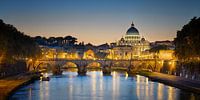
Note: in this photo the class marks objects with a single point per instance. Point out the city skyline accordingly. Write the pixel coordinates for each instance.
(102, 21)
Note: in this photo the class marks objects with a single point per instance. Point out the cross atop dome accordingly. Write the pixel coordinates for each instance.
(132, 25)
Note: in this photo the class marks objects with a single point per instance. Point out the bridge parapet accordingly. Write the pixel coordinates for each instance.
(102, 62)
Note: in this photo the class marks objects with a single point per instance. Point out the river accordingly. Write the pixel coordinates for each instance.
(95, 86)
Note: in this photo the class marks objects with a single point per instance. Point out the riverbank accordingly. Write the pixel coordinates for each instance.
(10, 84)
(175, 81)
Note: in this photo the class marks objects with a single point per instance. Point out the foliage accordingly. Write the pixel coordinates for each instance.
(15, 44)
(187, 42)
(56, 41)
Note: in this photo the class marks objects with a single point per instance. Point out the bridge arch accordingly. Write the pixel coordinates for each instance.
(94, 64)
(43, 65)
(70, 65)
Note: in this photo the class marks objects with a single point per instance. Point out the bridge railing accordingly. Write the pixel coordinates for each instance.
(62, 59)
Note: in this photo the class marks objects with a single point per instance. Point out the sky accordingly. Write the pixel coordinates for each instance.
(99, 21)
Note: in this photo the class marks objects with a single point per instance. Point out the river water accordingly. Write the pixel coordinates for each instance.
(95, 86)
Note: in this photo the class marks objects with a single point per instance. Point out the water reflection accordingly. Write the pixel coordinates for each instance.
(44, 90)
(93, 83)
(170, 93)
(126, 75)
(144, 88)
(160, 91)
(30, 94)
(95, 86)
(115, 84)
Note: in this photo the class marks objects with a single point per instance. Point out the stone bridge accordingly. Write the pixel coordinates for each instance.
(111, 63)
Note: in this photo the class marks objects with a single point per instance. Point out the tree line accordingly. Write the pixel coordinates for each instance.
(56, 41)
(187, 41)
(187, 49)
(15, 45)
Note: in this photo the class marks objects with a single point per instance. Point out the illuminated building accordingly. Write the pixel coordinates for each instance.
(48, 53)
(89, 54)
(133, 38)
(131, 45)
(58, 53)
(72, 55)
(166, 54)
(120, 52)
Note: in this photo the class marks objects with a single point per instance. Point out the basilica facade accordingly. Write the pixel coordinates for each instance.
(131, 46)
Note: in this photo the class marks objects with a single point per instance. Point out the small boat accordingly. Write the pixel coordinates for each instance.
(45, 77)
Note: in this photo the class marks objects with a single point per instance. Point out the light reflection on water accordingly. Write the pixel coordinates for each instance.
(95, 86)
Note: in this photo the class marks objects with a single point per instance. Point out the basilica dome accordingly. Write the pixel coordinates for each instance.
(132, 30)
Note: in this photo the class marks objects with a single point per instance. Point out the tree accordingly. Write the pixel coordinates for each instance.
(187, 42)
(56, 41)
(71, 40)
(15, 44)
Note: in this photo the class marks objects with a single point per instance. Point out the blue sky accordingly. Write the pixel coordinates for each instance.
(99, 21)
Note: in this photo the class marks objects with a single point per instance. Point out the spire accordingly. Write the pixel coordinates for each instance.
(132, 25)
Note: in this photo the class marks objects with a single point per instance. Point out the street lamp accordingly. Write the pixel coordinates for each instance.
(30, 60)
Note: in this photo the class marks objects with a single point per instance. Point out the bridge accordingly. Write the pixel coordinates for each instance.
(136, 63)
